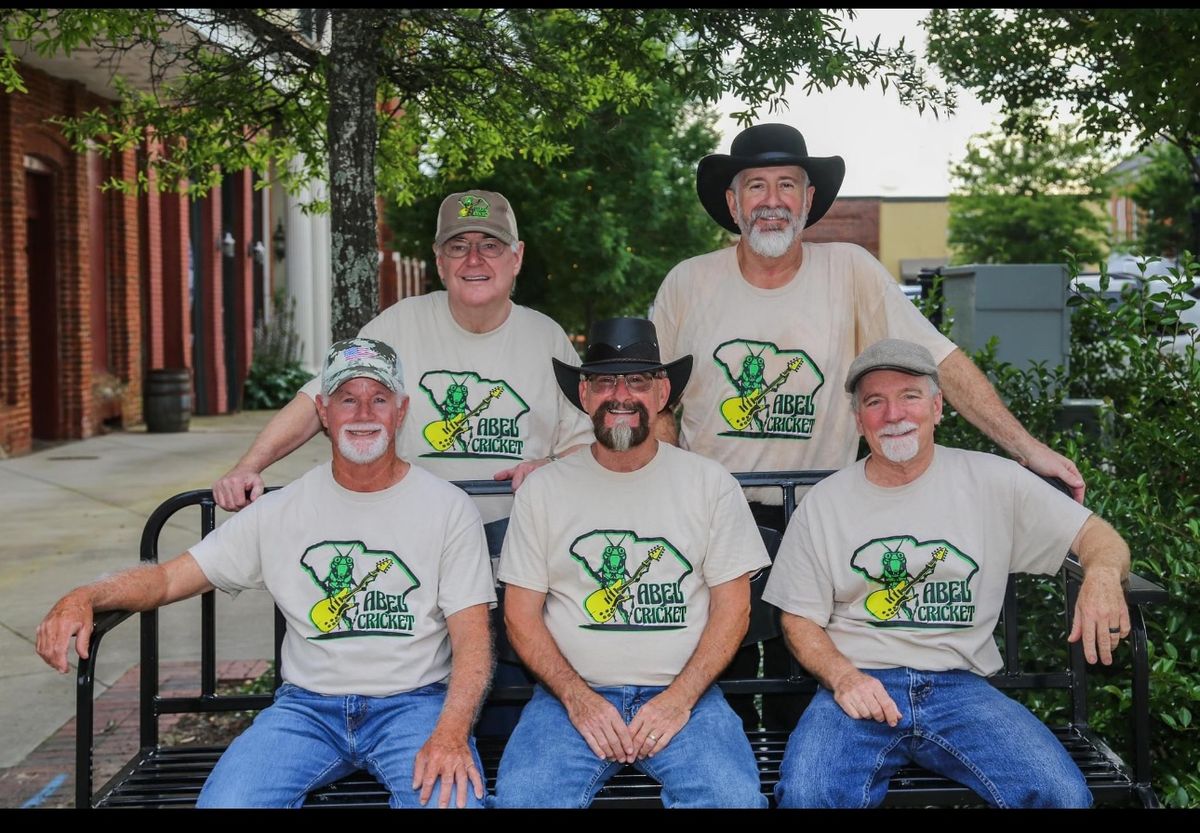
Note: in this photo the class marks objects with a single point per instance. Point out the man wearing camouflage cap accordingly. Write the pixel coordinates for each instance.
(381, 570)
(483, 403)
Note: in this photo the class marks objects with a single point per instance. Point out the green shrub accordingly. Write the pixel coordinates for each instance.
(1141, 475)
(275, 371)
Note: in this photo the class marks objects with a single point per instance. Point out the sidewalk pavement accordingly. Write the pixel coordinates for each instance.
(75, 512)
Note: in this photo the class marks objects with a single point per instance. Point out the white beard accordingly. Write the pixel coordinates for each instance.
(353, 449)
(899, 449)
(771, 243)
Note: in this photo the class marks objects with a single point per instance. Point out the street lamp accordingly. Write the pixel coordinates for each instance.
(279, 241)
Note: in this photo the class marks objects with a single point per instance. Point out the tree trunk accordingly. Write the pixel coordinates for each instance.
(353, 79)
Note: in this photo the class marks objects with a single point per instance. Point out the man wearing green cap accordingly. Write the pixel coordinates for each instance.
(480, 406)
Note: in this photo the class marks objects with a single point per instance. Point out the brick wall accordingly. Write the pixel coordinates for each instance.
(25, 131)
(849, 220)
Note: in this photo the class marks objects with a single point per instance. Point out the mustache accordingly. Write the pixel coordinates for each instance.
(614, 405)
(765, 213)
(362, 426)
(898, 428)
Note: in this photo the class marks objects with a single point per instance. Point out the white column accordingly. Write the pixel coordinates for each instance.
(322, 277)
(299, 275)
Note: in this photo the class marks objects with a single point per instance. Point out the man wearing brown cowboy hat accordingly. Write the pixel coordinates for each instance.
(627, 568)
(773, 320)
(480, 405)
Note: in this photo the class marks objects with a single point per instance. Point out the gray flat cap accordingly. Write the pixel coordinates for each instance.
(892, 354)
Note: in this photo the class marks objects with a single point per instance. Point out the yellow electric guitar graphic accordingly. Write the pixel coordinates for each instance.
(884, 604)
(442, 433)
(602, 604)
(327, 612)
(740, 410)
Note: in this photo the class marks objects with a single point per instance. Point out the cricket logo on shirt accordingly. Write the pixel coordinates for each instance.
(774, 391)
(639, 581)
(362, 592)
(479, 417)
(900, 597)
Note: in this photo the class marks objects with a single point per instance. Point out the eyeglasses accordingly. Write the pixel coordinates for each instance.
(636, 382)
(489, 247)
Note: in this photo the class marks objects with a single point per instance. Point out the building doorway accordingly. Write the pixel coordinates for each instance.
(43, 281)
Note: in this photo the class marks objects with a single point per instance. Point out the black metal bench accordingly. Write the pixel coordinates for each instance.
(159, 776)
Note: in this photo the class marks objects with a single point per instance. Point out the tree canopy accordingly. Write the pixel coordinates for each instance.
(386, 92)
(1127, 75)
(603, 224)
(1022, 200)
(1163, 188)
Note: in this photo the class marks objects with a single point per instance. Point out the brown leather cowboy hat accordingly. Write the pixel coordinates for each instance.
(765, 146)
(622, 345)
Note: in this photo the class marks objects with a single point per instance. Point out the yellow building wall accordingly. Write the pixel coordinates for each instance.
(912, 228)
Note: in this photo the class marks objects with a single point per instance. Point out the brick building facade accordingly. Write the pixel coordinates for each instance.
(98, 288)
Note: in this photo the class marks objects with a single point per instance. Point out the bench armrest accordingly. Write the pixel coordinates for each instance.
(85, 684)
(1138, 590)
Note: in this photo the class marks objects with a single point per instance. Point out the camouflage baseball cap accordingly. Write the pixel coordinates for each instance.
(482, 211)
(357, 357)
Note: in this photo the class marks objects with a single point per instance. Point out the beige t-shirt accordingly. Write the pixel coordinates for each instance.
(478, 402)
(364, 579)
(627, 559)
(766, 388)
(914, 576)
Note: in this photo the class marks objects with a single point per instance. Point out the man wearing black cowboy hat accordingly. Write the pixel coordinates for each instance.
(627, 568)
(778, 317)
(774, 319)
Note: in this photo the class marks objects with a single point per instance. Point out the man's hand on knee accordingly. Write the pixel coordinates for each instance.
(861, 696)
(230, 492)
(601, 726)
(448, 758)
(656, 723)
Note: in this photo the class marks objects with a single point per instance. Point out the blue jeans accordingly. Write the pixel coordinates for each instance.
(954, 723)
(547, 763)
(306, 740)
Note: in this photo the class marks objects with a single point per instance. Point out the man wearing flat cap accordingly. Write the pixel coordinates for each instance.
(774, 321)
(891, 578)
(627, 568)
(482, 406)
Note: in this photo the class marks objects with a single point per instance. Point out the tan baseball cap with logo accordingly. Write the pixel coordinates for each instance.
(483, 211)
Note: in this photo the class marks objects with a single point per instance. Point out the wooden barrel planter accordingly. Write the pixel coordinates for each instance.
(168, 400)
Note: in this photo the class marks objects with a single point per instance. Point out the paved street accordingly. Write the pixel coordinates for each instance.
(75, 512)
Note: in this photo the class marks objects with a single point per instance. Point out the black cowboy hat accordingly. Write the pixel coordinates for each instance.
(622, 345)
(764, 146)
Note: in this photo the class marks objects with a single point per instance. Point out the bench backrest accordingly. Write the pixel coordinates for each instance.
(764, 620)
